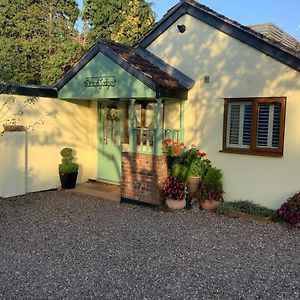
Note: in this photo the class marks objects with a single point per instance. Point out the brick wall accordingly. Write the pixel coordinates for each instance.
(142, 177)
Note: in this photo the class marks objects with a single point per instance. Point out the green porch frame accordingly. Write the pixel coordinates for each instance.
(149, 140)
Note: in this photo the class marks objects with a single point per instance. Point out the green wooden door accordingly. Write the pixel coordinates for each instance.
(110, 141)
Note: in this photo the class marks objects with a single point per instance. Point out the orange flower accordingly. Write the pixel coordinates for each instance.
(177, 150)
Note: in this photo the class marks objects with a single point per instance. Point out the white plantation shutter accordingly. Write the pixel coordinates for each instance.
(239, 124)
(268, 125)
(254, 126)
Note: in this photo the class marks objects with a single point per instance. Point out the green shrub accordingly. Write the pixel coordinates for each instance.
(67, 165)
(180, 172)
(197, 168)
(214, 178)
(245, 207)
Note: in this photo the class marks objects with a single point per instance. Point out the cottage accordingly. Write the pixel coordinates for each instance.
(197, 77)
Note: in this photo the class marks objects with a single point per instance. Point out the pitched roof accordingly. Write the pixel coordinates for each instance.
(243, 33)
(136, 63)
(142, 64)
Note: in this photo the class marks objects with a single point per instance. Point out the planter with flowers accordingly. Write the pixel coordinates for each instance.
(175, 192)
(197, 167)
(290, 210)
(210, 192)
(173, 151)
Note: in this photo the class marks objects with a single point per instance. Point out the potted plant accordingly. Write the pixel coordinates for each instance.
(196, 169)
(173, 150)
(180, 172)
(210, 192)
(290, 210)
(68, 170)
(175, 192)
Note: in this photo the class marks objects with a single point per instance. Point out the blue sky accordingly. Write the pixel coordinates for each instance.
(283, 13)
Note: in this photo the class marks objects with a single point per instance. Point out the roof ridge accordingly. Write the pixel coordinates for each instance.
(187, 6)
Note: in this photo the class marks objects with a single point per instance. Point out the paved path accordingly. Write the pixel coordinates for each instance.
(58, 245)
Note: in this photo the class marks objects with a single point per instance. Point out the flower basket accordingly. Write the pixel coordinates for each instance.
(175, 204)
(175, 193)
(209, 204)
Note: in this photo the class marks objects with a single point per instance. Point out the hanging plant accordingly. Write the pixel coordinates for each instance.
(112, 112)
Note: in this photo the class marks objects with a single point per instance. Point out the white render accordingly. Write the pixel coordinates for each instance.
(235, 70)
(53, 124)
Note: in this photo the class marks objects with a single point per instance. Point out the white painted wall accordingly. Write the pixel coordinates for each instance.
(235, 70)
(13, 164)
(55, 124)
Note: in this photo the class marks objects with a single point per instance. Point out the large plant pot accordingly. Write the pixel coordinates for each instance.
(193, 185)
(209, 204)
(68, 180)
(175, 204)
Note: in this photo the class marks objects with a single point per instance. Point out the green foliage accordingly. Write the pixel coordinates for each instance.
(180, 172)
(245, 207)
(197, 168)
(39, 39)
(39, 42)
(214, 178)
(67, 165)
(119, 20)
(297, 47)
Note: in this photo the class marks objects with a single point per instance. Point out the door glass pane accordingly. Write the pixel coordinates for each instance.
(112, 120)
(150, 121)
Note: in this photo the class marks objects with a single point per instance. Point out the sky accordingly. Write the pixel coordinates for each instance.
(283, 13)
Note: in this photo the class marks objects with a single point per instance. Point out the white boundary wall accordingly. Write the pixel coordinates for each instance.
(52, 125)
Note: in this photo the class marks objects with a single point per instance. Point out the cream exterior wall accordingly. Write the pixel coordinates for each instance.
(235, 70)
(56, 124)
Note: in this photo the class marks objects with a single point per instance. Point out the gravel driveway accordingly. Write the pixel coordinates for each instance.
(58, 245)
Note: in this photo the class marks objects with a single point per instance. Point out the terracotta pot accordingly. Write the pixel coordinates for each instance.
(193, 185)
(297, 224)
(175, 204)
(209, 204)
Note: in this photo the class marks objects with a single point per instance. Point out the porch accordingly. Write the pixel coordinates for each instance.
(135, 91)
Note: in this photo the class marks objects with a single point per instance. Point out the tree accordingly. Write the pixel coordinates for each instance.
(119, 20)
(39, 39)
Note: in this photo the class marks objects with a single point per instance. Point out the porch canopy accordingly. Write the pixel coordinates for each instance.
(118, 72)
(114, 71)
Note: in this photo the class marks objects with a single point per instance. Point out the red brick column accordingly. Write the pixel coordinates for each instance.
(142, 177)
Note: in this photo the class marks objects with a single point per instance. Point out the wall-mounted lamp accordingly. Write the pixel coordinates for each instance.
(206, 79)
(181, 28)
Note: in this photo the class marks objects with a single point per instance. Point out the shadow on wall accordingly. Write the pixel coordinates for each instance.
(235, 70)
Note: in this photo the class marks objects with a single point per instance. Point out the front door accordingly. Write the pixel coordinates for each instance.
(110, 141)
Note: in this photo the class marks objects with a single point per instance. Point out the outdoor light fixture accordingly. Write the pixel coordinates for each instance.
(206, 79)
(181, 28)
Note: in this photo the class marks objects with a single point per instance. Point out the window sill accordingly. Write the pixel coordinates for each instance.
(252, 152)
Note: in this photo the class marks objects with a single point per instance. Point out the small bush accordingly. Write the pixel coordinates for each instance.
(245, 207)
(180, 172)
(214, 178)
(67, 165)
(290, 210)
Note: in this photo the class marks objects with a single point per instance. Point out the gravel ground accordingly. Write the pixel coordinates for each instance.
(58, 245)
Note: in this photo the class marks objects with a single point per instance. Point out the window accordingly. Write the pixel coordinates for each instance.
(254, 126)
(145, 116)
